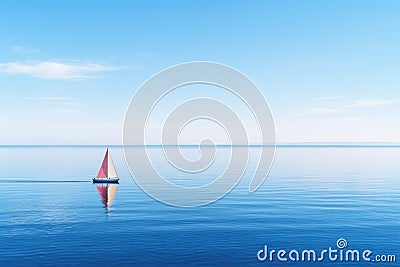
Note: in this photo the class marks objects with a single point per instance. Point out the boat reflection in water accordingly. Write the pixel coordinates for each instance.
(107, 193)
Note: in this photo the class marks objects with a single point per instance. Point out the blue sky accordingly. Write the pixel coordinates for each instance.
(329, 69)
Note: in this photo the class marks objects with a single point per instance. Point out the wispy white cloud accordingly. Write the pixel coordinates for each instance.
(350, 119)
(49, 98)
(321, 111)
(327, 98)
(57, 98)
(54, 70)
(371, 103)
(357, 104)
(67, 104)
(23, 49)
(143, 54)
(65, 110)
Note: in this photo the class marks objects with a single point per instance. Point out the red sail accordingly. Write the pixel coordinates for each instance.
(103, 172)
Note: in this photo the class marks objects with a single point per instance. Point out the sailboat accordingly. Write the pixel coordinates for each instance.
(107, 172)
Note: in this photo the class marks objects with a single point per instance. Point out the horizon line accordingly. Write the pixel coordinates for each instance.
(289, 144)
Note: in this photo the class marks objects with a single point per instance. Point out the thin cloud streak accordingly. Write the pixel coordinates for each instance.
(321, 111)
(144, 54)
(372, 103)
(49, 98)
(23, 49)
(65, 110)
(54, 70)
(69, 104)
(350, 119)
(59, 100)
(366, 103)
(327, 98)
(54, 98)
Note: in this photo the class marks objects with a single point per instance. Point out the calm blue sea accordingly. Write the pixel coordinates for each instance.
(52, 215)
